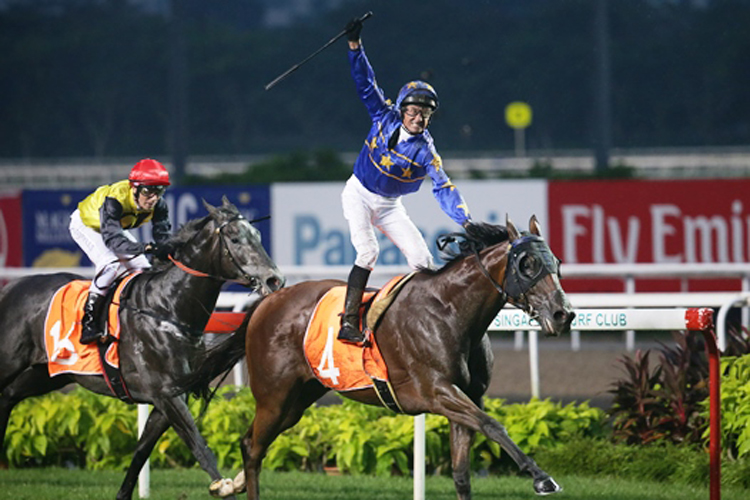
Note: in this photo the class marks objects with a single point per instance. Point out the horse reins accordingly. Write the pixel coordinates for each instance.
(226, 250)
(200, 274)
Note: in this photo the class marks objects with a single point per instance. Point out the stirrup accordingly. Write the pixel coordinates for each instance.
(350, 334)
(91, 337)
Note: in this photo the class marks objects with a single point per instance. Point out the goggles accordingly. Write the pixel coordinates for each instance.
(413, 110)
(149, 191)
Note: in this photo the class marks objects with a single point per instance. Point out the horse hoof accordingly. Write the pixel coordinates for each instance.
(221, 488)
(546, 486)
(240, 486)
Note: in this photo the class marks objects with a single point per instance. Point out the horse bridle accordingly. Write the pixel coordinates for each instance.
(224, 248)
(516, 281)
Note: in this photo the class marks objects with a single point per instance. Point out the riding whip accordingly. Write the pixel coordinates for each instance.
(329, 43)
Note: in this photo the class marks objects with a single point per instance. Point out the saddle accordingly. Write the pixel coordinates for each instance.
(62, 332)
(345, 367)
(378, 303)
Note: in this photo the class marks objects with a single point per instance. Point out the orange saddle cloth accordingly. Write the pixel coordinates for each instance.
(62, 331)
(339, 365)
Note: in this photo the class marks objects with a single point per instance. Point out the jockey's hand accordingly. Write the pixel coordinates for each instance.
(466, 224)
(161, 252)
(353, 29)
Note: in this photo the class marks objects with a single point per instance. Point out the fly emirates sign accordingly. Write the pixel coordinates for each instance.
(659, 221)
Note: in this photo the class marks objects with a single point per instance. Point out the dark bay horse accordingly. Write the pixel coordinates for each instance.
(162, 321)
(433, 339)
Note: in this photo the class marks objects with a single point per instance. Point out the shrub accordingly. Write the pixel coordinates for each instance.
(79, 428)
(100, 432)
(665, 403)
(735, 406)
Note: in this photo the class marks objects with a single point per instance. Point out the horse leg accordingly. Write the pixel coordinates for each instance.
(461, 459)
(457, 407)
(178, 415)
(272, 417)
(156, 425)
(480, 367)
(33, 381)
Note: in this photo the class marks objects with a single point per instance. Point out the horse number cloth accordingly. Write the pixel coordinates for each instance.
(339, 365)
(62, 331)
(347, 367)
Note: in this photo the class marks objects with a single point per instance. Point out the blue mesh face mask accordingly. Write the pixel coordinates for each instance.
(529, 261)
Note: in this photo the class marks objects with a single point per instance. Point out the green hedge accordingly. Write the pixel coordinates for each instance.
(97, 432)
(84, 429)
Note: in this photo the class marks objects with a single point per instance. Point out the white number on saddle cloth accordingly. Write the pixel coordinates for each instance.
(326, 369)
(64, 352)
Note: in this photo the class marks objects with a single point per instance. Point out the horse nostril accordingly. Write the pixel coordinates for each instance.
(564, 316)
(274, 283)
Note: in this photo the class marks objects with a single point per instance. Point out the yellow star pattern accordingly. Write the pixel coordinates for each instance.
(412, 85)
(372, 145)
(437, 162)
(385, 161)
(406, 172)
(465, 208)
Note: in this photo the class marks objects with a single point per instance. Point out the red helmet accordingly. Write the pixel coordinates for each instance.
(148, 172)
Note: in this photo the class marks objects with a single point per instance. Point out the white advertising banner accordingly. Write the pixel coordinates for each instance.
(309, 228)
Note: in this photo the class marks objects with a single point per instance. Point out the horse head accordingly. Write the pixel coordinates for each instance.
(228, 247)
(532, 279)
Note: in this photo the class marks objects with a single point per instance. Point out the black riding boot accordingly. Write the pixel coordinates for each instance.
(90, 332)
(350, 330)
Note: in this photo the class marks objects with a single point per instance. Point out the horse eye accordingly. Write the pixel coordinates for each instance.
(529, 266)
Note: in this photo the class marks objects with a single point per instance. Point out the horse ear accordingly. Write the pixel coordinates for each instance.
(211, 209)
(534, 226)
(225, 203)
(513, 233)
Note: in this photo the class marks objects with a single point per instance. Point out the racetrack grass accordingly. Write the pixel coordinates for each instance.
(192, 484)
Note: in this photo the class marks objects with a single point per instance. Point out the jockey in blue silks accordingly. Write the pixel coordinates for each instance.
(397, 156)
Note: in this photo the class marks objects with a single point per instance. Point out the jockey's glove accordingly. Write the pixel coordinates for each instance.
(161, 252)
(353, 30)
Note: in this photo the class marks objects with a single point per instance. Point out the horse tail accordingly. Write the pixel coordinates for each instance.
(218, 359)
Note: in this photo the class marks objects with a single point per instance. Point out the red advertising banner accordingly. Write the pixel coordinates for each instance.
(10, 229)
(652, 221)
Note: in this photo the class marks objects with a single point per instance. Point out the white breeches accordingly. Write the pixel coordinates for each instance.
(108, 264)
(365, 210)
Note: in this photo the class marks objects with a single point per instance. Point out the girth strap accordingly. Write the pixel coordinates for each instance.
(112, 375)
(386, 395)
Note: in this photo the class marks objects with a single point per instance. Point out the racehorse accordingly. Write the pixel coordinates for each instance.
(433, 339)
(162, 321)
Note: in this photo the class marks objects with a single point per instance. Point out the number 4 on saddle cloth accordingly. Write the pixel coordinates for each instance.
(346, 367)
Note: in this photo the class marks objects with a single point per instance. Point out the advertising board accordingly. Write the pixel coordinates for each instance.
(10, 229)
(46, 215)
(652, 221)
(309, 228)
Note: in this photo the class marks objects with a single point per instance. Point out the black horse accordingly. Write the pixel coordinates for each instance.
(162, 321)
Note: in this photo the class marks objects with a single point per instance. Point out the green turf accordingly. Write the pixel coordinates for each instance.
(60, 484)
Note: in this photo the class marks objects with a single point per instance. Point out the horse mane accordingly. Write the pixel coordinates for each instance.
(185, 233)
(477, 237)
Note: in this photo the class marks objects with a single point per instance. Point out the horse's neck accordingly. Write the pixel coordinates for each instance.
(191, 299)
(472, 294)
